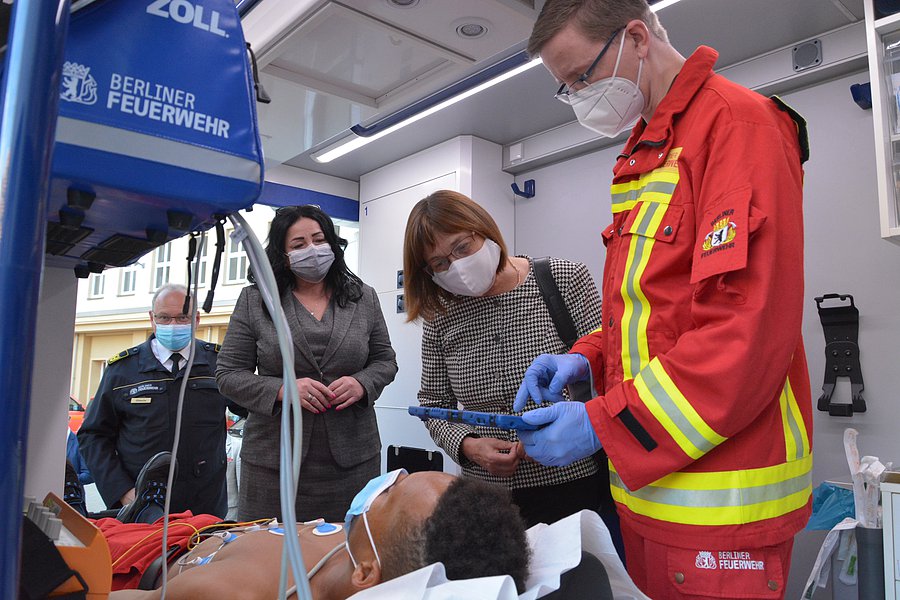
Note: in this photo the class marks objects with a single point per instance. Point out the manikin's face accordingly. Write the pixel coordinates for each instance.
(411, 497)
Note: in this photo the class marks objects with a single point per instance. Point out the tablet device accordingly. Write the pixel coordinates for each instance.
(472, 418)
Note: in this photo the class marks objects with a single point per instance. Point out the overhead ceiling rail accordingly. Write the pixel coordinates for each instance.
(463, 85)
(362, 135)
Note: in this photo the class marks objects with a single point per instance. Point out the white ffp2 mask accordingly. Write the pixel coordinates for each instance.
(611, 105)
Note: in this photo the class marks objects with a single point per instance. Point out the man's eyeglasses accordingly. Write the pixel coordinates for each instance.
(463, 248)
(166, 319)
(566, 90)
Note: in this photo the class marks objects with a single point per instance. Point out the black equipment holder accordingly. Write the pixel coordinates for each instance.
(43, 567)
(841, 325)
(414, 460)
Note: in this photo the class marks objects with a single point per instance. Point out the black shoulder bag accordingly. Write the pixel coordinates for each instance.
(565, 326)
(568, 333)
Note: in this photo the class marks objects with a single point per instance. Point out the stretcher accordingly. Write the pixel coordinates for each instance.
(560, 551)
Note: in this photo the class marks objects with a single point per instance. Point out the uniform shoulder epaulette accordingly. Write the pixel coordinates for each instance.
(121, 355)
(213, 347)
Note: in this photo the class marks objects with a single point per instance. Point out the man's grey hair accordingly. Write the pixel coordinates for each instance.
(165, 289)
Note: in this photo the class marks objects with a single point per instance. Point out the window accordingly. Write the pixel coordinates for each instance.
(162, 263)
(349, 230)
(127, 280)
(202, 268)
(96, 374)
(96, 284)
(235, 261)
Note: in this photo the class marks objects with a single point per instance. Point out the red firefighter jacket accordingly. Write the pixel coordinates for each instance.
(705, 409)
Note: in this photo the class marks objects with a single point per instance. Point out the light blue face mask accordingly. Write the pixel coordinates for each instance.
(362, 502)
(174, 336)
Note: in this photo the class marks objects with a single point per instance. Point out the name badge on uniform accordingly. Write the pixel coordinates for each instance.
(145, 388)
(141, 400)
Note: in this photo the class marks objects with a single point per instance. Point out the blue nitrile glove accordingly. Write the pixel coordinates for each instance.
(567, 434)
(548, 374)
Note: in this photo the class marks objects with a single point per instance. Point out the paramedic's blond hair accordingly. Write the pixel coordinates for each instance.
(597, 19)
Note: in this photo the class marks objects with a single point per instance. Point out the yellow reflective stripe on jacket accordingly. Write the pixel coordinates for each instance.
(673, 411)
(796, 438)
(721, 498)
(656, 186)
(650, 196)
(636, 311)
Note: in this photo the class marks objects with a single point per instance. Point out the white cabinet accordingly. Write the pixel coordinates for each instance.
(883, 38)
(890, 501)
(382, 222)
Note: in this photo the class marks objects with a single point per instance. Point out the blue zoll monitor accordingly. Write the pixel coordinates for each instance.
(472, 418)
(157, 133)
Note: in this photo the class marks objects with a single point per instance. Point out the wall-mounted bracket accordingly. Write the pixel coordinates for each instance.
(841, 325)
(529, 189)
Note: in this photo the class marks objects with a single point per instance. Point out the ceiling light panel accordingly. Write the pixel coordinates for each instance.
(343, 52)
(436, 20)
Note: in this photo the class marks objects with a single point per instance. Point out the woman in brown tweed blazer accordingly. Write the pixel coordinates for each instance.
(342, 359)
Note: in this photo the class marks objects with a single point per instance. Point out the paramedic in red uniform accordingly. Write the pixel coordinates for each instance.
(701, 387)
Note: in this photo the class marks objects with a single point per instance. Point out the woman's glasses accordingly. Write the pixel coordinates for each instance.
(463, 248)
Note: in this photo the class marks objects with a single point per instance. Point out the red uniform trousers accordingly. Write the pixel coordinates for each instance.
(674, 573)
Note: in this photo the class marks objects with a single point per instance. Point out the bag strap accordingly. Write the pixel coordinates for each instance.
(565, 326)
(562, 319)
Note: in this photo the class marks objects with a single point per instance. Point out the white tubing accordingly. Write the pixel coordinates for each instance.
(170, 482)
(289, 472)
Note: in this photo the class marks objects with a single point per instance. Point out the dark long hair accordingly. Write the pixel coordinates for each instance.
(345, 286)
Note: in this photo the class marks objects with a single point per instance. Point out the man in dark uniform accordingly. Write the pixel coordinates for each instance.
(132, 416)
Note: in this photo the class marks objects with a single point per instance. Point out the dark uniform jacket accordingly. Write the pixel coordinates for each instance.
(132, 417)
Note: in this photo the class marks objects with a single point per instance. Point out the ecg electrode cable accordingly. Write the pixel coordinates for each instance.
(170, 481)
(291, 441)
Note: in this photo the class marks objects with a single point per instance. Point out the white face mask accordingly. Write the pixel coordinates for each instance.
(611, 105)
(472, 275)
(362, 502)
(311, 263)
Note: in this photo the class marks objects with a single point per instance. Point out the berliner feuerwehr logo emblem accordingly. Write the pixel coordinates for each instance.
(77, 84)
(705, 560)
(723, 232)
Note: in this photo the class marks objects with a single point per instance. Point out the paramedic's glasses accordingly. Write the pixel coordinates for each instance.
(166, 319)
(463, 248)
(563, 94)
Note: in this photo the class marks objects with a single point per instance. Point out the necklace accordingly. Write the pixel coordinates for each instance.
(316, 306)
(518, 274)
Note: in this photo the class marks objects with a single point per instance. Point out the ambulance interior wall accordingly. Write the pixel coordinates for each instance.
(46, 450)
(844, 254)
